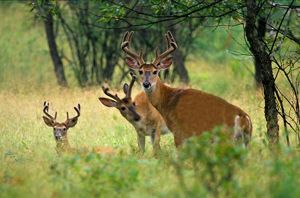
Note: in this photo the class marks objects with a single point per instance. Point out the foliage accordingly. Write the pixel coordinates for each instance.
(96, 175)
(90, 29)
(213, 159)
(30, 166)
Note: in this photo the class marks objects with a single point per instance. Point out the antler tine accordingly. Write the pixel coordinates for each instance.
(141, 56)
(128, 94)
(125, 37)
(106, 91)
(129, 38)
(125, 45)
(77, 109)
(168, 41)
(46, 109)
(156, 52)
(171, 47)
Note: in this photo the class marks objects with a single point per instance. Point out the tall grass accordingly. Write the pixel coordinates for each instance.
(30, 166)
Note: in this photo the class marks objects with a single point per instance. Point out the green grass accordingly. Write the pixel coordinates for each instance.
(30, 166)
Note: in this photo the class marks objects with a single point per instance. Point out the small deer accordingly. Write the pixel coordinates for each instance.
(60, 129)
(187, 112)
(60, 132)
(140, 113)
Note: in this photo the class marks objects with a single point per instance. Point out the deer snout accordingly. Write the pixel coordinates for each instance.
(58, 137)
(136, 116)
(146, 85)
(57, 134)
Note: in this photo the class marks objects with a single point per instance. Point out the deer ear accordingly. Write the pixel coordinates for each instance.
(131, 62)
(71, 122)
(125, 88)
(48, 121)
(107, 102)
(165, 63)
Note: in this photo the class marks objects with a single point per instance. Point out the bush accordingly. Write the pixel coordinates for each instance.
(95, 175)
(211, 159)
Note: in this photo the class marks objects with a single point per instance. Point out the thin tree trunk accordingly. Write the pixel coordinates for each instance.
(58, 65)
(180, 68)
(179, 59)
(261, 31)
(263, 60)
(111, 58)
(111, 62)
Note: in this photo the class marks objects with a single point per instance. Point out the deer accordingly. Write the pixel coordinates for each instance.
(187, 112)
(60, 131)
(140, 113)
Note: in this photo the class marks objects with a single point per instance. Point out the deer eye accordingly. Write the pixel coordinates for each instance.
(155, 72)
(133, 104)
(140, 72)
(123, 108)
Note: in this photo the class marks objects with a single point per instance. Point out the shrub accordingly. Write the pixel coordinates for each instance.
(96, 175)
(212, 159)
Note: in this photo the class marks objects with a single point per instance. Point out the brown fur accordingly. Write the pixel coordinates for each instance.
(190, 112)
(104, 150)
(187, 112)
(63, 146)
(151, 122)
(151, 118)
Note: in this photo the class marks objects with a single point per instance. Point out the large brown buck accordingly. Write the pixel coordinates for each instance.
(187, 112)
(140, 113)
(60, 132)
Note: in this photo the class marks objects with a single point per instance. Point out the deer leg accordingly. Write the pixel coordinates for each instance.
(141, 142)
(156, 141)
(242, 132)
(178, 139)
(153, 137)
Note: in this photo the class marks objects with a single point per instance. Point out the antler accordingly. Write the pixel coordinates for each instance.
(125, 47)
(171, 47)
(77, 109)
(46, 109)
(128, 94)
(106, 91)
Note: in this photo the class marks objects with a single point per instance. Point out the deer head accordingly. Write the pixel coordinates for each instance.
(148, 71)
(60, 128)
(126, 105)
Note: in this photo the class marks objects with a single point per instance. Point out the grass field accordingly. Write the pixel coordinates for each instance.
(30, 166)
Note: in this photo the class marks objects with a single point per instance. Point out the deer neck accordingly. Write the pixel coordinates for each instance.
(63, 145)
(159, 96)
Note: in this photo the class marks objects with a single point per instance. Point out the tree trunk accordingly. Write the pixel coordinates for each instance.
(111, 57)
(179, 59)
(58, 65)
(257, 74)
(111, 62)
(261, 31)
(108, 71)
(179, 66)
(263, 61)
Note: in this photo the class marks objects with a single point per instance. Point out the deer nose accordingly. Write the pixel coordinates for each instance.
(57, 137)
(137, 118)
(146, 85)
